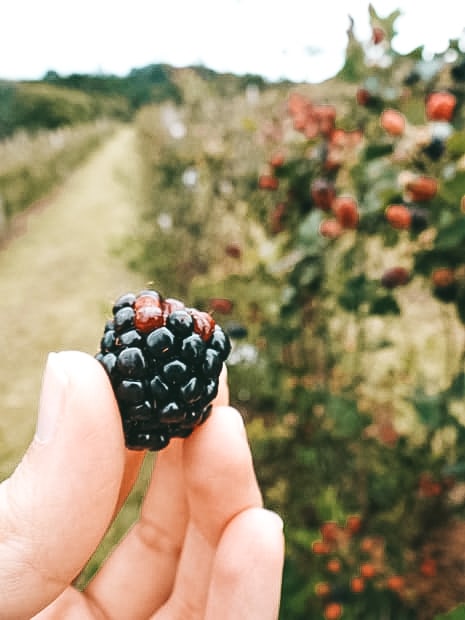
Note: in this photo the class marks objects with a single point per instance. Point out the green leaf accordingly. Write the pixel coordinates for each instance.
(373, 151)
(429, 408)
(456, 144)
(452, 189)
(456, 469)
(456, 614)
(460, 304)
(344, 413)
(358, 290)
(309, 228)
(451, 235)
(354, 65)
(385, 305)
(457, 386)
(386, 23)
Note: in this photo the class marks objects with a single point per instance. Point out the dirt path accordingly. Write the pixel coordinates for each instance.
(58, 278)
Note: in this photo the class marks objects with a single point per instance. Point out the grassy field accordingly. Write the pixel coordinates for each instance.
(58, 277)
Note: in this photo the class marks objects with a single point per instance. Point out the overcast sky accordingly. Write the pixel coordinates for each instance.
(301, 40)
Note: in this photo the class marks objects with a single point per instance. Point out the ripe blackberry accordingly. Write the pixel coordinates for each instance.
(163, 360)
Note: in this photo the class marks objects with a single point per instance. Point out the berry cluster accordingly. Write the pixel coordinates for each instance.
(163, 360)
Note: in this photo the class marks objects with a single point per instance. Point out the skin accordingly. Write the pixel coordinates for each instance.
(203, 548)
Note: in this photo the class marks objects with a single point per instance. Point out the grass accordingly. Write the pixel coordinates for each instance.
(58, 278)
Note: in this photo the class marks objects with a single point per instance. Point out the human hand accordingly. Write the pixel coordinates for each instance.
(203, 547)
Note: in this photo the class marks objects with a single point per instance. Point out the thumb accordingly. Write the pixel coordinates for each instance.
(58, 503)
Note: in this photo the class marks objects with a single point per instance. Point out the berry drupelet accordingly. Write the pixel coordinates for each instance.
(163, 360)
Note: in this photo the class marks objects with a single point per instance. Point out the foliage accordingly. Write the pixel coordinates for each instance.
(32, 165)
(154, 83)
(343, 266)
(367, 212)
(199, 169)
(35, 105)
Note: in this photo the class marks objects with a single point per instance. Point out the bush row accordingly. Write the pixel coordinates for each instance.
(32, 165)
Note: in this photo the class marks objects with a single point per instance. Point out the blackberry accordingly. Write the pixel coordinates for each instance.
(163, 360)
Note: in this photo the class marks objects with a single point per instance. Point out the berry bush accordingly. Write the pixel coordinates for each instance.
(365, 208)
(327, 223)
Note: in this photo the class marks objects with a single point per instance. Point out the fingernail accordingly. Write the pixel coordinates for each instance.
(52, 399)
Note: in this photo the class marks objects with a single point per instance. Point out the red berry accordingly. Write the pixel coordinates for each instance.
(277, 159)
(334, 566)
(440, 106)
(333, 611)
(148, 299)
(233, 250)
(277, 218)
(148, 317)
(297, 102)
(443, 277)
(421, 188)
(170, 305)
(267, 181)
(395, 276)
(428, 487)
(357, 584)
(368, 570)
(221, 305)
(393, 122)
(363, 96)
(345, 209)
(204, 323)
(320, 547)
(395, 583)
(322, 589)
(329, 530)
(428, 567)
(399, 217)
(325, 117)
(354, 524)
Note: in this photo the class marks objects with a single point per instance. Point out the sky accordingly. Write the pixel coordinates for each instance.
(301, 40)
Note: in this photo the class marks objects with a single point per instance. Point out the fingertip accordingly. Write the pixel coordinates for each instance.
(219, 472)
(247, 573)
(67, 482)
